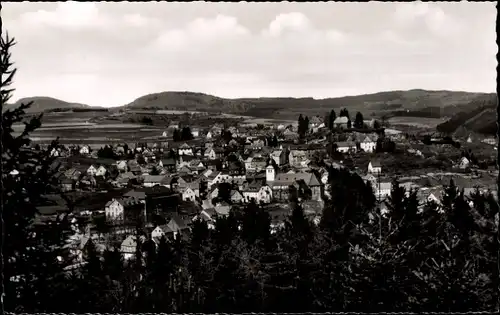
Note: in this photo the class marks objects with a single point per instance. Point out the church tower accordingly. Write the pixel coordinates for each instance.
(270, 173)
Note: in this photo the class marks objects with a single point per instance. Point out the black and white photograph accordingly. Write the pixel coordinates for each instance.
(249, 157)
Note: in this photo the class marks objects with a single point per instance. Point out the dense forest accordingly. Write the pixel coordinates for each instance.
(354, 259)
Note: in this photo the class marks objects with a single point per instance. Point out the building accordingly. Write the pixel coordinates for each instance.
(368, 145)
(374, 167)
(464, 163)
(280, 184)
(346, 146)
(341, 122)
(188, 194)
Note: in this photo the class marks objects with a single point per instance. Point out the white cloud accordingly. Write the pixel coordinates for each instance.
(289, 22)
(73, 15)
(431, 16)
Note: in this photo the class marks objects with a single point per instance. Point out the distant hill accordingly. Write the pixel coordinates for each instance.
(439, 103)
(480, 116)
(43, 103)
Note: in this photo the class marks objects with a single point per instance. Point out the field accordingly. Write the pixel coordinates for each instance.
(418, 122)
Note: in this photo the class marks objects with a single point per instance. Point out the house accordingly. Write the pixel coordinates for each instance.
(73, 173)
(67, 184)
(222, 209)
(56, 152)
(92, 170)
(85, 149)
(382, 190)
(209, 135)
(169, 164)
(210, 154)
(490, 141)
(341, 122)
(265, 194)
(134, 167)
(188, 194)
(346, 146)
(280, 184)
(114, 210)
(279, 157)
(122, 166)
(290, 135)
(129, 245)
(374, 167)
(177, 225)
(296, 158)
(368, 145)
(185, 149)
(236, 196)
(101, 171)
(171, 182)
(464, 163)
(470, 139)
(153, 180)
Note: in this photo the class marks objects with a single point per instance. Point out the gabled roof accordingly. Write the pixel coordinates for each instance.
(153, 178)
(375, 163)
(341, 120)
(289, 179)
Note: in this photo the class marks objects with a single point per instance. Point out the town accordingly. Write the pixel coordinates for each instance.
(207, 174)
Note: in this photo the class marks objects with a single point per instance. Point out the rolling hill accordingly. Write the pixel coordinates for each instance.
(444, 103)
(479, 117)
(43, 103)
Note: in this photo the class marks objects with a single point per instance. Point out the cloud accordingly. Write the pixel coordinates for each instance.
(78, 16)
(432, 17)
(201, 31)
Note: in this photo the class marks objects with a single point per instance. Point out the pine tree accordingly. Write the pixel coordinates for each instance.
(30, 262)
(359, 121)
(331, 119)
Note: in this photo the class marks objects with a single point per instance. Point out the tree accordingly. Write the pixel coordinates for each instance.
(186, 134)
(331, 119)
(177, 135)
(358, 121)
(29, 262)
(344, 113)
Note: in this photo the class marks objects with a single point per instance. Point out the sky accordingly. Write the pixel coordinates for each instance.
(108, 54)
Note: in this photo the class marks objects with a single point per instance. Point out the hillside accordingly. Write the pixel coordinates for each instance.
(43, 103)
(440, 103)
(479, 117)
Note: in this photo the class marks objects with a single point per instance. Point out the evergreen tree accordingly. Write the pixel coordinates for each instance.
(359, 121)
(331, 119)
(30, 263)
(177, 135)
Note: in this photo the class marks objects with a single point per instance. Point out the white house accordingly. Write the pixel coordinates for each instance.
(122, 166)
(346, 146)
(265, 194)
(210, 154)
(92, 170)
(85, 149)
(55, 152)
(185, 149)
(209, 135)
(374, 167)
(382, 190)
(114, 210)
(188, 194)
(368, 145)
(464, 163)
(341, 122)
(101, 171)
